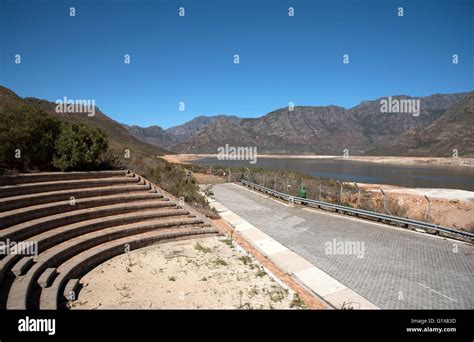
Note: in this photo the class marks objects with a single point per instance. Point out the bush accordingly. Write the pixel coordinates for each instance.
(31, 139)
(177, 181)
(181, 183)
(79, 147)
(27, 138)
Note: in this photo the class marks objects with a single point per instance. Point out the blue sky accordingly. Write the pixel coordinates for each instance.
(190, 58)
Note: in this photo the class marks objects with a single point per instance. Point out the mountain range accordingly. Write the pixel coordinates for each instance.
(444, 123)
(158, 136)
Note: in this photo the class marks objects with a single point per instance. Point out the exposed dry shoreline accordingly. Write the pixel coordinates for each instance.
(449, 207)
(438, 193)
(186, 158)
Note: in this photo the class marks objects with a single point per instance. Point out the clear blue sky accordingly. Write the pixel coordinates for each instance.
(190, 58)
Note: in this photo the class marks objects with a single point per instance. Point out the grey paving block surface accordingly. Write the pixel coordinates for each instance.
(399, 269)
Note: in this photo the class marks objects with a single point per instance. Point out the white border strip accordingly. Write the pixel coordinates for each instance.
(316, 280)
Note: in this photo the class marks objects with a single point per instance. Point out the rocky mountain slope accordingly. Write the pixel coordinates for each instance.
(325, 130)
(154, 135)
(187, 130)
(119, 137)
(304, 129)
(450, 132)
(444, 124)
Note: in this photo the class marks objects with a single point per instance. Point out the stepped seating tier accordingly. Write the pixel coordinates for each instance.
(18, 202)
(75, 221)
(33, 188)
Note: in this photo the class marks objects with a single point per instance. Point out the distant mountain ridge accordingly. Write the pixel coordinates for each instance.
(167, 138)
(444, 126)
(187, 130)
(450, 134)
(154, 135)
(362, 129)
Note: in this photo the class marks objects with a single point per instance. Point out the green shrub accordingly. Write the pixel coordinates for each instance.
(27, 138)
(79, 147)
(31, 139)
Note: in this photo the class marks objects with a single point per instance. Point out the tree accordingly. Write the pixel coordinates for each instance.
(79, 147)
(27, 138)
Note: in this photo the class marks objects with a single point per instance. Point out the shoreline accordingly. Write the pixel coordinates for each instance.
(447, 194)
(432, 193)
(436, 161)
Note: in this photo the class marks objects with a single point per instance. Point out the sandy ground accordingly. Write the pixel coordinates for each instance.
(413, 160)
(186, 158)
(205, 273)
(447, 194)
(308, 298)
(449, 207)
(179, 158)
(204, 178)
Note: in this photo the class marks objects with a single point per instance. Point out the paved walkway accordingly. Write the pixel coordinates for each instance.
(390, 267)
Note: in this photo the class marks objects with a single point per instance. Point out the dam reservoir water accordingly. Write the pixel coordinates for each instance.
(411, 176)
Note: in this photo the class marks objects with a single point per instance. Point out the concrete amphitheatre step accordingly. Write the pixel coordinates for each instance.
(24, 230)
(16, 202)
(16, 216)
(31, 188)
(111, 209)
(26, 178)
(53, 257)
(74, 268)
(58, 235)
(47, 277)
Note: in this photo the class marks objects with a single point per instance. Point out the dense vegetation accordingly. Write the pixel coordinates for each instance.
(171, 177)
(79, 147)
(32, 140)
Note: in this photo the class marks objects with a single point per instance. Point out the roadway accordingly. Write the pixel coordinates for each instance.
(394, 268)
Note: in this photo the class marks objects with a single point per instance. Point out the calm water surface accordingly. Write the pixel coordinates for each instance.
(419, 176)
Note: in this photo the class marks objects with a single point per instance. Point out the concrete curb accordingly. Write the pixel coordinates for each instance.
(317, 281)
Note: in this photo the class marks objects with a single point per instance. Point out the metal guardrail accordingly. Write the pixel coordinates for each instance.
(360, 212)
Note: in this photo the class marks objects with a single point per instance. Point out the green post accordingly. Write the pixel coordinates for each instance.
(303, 192)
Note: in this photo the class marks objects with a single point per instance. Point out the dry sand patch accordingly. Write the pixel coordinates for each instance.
(205, 273)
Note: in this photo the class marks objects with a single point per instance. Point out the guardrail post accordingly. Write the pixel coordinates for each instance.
(428, 210)
(358, 195)
(384, 201)
(340, 195)
(275, 180)
(291, 200)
